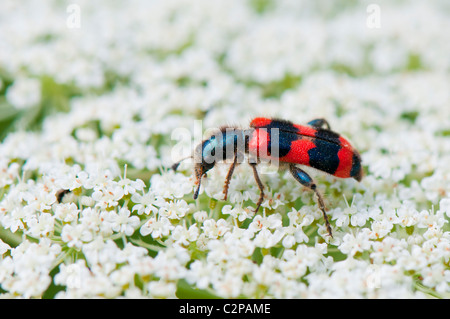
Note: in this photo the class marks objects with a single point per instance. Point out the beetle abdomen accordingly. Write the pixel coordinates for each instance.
(319, 148)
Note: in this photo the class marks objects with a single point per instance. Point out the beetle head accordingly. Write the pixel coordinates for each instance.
(204, 161)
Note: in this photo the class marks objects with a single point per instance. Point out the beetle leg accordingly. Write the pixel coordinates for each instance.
(197, 191)
(228, 178)
(303, 178)
(319, 123)
(260, 186)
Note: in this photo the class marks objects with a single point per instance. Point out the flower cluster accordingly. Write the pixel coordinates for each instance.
(90, 208)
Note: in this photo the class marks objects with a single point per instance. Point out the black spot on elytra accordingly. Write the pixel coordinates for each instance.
(283, 133)
(355, 172)
(328, 136)
(324, 156)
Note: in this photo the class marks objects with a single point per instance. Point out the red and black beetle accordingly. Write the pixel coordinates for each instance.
(289, 144)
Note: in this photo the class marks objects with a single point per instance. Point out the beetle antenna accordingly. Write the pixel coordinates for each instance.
(198, 188)
(175, 166)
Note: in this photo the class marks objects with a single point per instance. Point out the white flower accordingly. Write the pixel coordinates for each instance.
(260, 222)
(161, 289)
(266, 239)
(359, 218)
(109, 196)
(160, 227)
(74, 236)
(66, 212)
(297, 220)
(40, 225)
(342, 216)
(123, 276)
(167, 267)
(296, 262)
(4, 247)
(213, 229)
(24, 93)
(413, 259)
(183, 236)
(174, 209)
(408, 215)
(200, 216)
(444, 205)
(202, 274)
(302, 217)
(6, 269)
(14, 220)
(433, 186)
(238, 212)
(39, 198)
(31, 264)
(430, 219)
(289, 241)
(147, 203)
(229, 286)
(230, 249)
(124, 223)
(170, 185)
(130, 187)
(91, 219)
(8, 172)
(437, 276)
(72, 275)
(381, 228)
(387, 250)
(266, 273)
(86, 134)
(351, 244)
(381, 168)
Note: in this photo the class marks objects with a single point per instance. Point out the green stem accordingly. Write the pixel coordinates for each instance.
(148, 246)
(10, 238)
(61, 257)
(427, 290)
